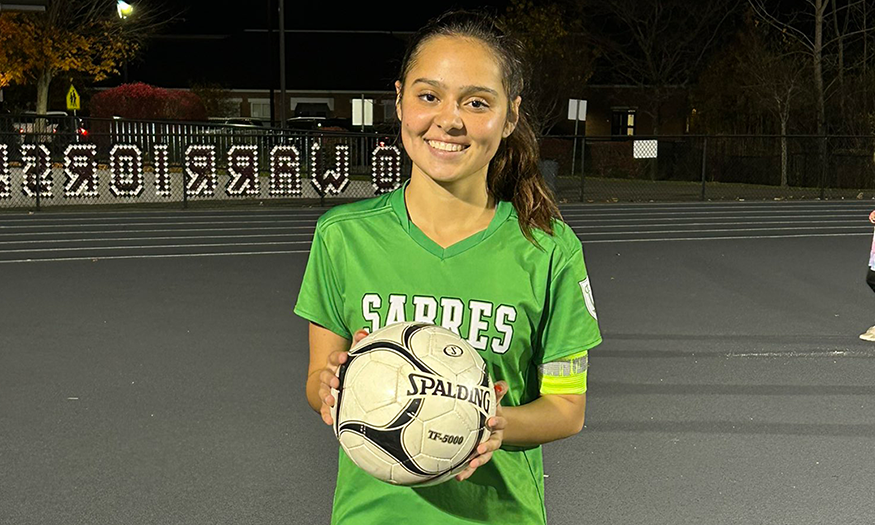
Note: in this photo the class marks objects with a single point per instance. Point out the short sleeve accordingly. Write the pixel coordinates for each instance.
(570, 324)
(320, 299)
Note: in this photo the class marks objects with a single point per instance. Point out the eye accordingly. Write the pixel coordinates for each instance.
(479, 104)
(428, 97)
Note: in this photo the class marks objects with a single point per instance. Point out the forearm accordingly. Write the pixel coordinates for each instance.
(548, 418)
(313, 391)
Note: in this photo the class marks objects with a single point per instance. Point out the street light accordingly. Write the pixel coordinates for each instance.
(124, 11)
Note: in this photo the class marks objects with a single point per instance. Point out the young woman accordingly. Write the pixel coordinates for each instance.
(869, 335)
(472, 242)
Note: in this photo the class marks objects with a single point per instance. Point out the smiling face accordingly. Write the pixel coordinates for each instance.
(453, 109)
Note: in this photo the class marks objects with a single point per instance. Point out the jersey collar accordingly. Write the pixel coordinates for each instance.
(503, 210)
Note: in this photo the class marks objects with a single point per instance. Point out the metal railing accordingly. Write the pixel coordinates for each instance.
(69, 161)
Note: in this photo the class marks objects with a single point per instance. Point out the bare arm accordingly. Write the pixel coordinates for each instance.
(322, 343)
(548, 418)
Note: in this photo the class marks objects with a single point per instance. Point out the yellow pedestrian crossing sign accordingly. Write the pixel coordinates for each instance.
(72, 99)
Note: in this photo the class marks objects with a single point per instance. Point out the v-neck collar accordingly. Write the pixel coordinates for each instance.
(502, 212)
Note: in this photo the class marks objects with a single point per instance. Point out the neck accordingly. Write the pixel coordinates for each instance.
(448, 207)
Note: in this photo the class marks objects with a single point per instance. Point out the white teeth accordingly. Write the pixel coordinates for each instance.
(445, 146)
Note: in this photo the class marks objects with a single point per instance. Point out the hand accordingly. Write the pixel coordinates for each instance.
(496, 425)
(328, 377)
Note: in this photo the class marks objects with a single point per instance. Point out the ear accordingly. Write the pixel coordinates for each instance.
(398, 99)
(512, 118)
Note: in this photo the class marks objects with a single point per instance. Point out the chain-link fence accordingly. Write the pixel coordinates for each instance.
(69, 161)
(683, 168)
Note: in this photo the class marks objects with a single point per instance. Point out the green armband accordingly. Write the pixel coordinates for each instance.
(564, 376)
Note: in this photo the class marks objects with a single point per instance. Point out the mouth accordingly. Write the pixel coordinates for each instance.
(446, 146)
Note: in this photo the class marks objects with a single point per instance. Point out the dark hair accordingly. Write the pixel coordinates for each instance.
(513, 173)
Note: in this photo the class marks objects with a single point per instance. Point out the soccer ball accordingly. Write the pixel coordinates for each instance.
(413, 403)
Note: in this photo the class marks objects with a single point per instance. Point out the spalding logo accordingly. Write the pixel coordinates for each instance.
(429, 385)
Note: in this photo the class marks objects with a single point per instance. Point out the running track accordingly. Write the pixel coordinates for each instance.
(123, 235)
(151, 369)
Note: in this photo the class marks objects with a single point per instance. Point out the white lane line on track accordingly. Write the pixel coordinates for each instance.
(134, 218)
(764, 218)
(79, 232)
(846, 203)
(176, 237)
(151, 246)
(722, 238)
(186, 223)
(595, 219)
(218, 254)
(821, 353)
(787, 228)
(596, 225)
(155, 256)
(704, 213)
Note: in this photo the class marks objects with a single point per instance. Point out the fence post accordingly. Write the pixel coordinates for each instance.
(822, 166)
(704, 161)
(184, 187)
(582, 165)
(39, 187)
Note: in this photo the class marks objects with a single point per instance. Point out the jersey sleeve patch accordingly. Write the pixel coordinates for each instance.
(587, 297)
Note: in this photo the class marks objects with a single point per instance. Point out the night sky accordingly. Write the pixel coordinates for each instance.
(225, 42)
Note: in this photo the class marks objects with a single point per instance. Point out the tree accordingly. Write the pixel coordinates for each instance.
(216, 99)
(657, 45)
(561, 61)
(775, 80)
(85, 36)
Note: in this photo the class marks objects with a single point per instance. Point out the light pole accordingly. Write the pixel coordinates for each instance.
(124, 10)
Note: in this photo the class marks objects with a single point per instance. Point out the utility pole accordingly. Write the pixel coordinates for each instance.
(282, 24)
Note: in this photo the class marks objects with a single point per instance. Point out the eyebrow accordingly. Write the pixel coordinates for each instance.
(465, 89)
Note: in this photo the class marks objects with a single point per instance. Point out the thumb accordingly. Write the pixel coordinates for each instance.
(359, 335)
(501, 389)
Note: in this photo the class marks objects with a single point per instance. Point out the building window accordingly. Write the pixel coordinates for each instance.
(259, 108)
(622, 121)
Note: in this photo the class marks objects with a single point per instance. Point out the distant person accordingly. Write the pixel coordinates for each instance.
(869, 335)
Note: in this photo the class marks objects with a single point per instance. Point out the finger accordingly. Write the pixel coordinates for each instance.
(491, 444)
(465, 474)
(482, 459)
(327, 377)
(337, 358)
(326, 415)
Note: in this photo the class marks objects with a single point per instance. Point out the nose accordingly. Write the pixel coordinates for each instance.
(449, 116)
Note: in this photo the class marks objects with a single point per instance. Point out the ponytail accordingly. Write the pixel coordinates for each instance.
(515, 176)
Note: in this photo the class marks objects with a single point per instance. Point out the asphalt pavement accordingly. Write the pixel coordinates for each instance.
(152, 370)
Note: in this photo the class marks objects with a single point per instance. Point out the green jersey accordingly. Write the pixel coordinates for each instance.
(517, 304)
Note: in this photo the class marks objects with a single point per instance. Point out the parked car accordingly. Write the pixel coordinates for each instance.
(55, 127)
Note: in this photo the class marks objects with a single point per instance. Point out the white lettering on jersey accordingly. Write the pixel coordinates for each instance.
(587, 297)
(371, 302)
(478, 309)
(396, 309)
(453, 310)
(425, 309)
(503, 315)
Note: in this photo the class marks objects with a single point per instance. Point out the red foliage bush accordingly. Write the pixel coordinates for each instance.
(142, 101)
